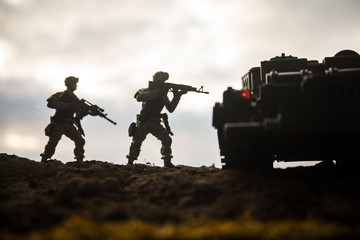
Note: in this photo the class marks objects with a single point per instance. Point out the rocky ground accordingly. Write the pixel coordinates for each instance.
(38, 196)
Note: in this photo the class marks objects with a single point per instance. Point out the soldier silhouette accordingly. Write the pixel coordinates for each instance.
(67, 106)
(154, 99)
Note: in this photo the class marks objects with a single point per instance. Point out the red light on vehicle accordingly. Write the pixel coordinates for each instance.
(245, 94)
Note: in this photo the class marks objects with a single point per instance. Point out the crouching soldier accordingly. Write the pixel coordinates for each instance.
(153, 99)
(67, 106)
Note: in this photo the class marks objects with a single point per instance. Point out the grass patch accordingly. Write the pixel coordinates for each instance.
(244, 228)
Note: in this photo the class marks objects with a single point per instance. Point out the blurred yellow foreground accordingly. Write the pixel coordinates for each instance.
(245, 228)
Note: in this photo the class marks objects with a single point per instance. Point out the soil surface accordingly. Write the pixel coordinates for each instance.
(35, 196)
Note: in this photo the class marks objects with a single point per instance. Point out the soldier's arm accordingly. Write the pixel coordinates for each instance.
(171, 105)
(145, 94)
(53, 102)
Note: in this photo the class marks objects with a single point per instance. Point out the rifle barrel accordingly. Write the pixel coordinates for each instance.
(201, 90)
(110, 120)
(186, 87)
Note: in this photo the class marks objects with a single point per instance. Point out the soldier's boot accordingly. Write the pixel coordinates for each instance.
(79, 148)
(130, 160)
(44, 158)
(79, 155)
(167, 162)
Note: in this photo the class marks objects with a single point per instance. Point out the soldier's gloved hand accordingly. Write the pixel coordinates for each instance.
(176, 92)
(93, 113)
(179, 92)
(183, 91)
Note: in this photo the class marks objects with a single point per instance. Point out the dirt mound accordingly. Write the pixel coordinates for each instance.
(36, 195)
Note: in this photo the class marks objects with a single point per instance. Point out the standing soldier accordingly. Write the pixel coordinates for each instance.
(153, 99)
(66, 104)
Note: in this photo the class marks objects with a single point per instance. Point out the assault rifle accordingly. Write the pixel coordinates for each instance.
(87, 107)
(173, 86)
(94, 110)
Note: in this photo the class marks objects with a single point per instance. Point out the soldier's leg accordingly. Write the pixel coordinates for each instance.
(54, 139)
(163, 135)
(137, 140)
(71, 132)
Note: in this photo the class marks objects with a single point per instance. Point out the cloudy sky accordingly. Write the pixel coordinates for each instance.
(115, 46)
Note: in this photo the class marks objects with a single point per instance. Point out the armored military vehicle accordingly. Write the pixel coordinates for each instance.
(292, 109)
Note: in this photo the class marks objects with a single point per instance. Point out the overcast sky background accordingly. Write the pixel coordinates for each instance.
(115, 46)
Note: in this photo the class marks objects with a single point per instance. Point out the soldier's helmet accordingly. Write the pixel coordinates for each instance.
(160, 76)
(71, 80)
